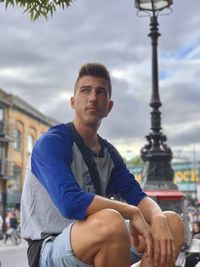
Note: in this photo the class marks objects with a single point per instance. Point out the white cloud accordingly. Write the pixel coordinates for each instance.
(40, 61)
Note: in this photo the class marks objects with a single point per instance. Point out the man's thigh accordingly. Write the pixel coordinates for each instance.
(58, 251)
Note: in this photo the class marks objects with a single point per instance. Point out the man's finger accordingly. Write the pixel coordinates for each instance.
(135, 240)
(163, 253)
(169, 252)
(173, 251)
(149, 247)
(156, 252)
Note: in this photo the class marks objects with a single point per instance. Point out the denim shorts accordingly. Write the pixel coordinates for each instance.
(57, 251)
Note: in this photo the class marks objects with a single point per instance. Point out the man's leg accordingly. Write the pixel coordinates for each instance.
(177, 229)
(7, 235)
(102, 239)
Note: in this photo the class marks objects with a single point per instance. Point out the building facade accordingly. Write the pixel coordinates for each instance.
(20, 126)
(186, 176)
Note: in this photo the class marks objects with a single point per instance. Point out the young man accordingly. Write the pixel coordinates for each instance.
(71, 220)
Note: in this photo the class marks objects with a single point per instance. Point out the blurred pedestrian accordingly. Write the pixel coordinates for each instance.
(12, 224)
(196, 229)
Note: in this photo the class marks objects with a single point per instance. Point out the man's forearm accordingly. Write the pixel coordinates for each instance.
(99, 203)
(149, 209)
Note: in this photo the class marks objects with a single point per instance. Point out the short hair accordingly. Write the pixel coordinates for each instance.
(95, 70)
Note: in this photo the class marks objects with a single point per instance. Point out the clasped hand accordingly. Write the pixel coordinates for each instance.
(159, 246)
(164, 253)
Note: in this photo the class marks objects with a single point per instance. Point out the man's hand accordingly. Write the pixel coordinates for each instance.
(138, 226)
(163, 245)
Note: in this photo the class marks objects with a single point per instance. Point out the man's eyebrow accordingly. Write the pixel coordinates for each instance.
(85, 86)
(90, 86)
(104, 88)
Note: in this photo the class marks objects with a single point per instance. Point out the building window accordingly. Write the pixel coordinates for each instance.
(17, 143)
(30, 143)
(1, 114)
(16, 172)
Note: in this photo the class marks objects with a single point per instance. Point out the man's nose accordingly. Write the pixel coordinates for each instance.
(93, 95)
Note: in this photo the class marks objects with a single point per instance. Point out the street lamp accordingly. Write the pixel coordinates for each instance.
(158, 176)
(157, 156)
(152, 5)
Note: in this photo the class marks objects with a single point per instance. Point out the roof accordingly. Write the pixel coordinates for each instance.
(27, 108)
(18, 103)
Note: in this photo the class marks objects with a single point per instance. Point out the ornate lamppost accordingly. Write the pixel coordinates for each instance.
(157, 156)
(157, 179)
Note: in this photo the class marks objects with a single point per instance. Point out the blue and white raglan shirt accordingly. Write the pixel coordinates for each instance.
(58, 189)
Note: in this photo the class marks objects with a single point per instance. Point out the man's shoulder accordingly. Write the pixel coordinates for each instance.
(55, 136)
(57, 131)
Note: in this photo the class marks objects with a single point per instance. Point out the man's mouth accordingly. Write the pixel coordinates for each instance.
(91, 108)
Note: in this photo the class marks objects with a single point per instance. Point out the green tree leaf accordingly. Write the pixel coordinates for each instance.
(38, 8)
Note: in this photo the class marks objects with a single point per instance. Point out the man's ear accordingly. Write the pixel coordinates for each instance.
(72, 102)
(110, 105)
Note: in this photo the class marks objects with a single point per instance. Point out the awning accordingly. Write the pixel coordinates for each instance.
(165, 194)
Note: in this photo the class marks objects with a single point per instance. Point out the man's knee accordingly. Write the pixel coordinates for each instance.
(101, 230)
(176, 225)
(109, 224)
(174, 220)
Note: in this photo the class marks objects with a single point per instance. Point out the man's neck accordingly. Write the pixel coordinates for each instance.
(89, 134)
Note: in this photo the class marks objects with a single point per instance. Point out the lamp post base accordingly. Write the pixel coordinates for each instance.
(157, 181)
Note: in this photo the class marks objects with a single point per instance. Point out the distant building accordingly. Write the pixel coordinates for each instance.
(20, 126)
(186, 176)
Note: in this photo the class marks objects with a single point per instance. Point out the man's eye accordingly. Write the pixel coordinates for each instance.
(102, 92)
(85, 90)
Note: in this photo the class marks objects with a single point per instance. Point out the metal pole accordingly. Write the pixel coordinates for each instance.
(155, 99)
(156, 154)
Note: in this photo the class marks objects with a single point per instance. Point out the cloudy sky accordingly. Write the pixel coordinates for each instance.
(39, 62)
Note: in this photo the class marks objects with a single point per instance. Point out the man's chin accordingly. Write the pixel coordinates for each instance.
(93, 122)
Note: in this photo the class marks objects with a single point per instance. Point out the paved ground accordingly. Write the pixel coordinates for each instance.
(13, 255)
(9, 245)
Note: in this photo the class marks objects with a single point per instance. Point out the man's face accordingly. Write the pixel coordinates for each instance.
(91, 100)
